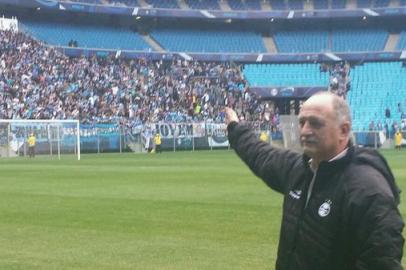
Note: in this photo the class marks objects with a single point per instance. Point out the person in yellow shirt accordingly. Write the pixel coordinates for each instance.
(31, 145)
(398, 140)
(157, 142)
(264, 136)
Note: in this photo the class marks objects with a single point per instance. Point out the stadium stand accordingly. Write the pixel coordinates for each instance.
(285, 75)
(163, 3)
(87, 36)
(402, 41)
(338, 4)
(144, 89)
(320, 4)
(295, 4)
(244, 5)
(301, 41)
(249, 4)
(364, 3)
(189, 40)
(110, 90)
(209, 41)
(381, 3)
(252, 4)
(203, 4)
(278, 4)
(128, 3)
(95, 2)
(359, 40)
(374, 88)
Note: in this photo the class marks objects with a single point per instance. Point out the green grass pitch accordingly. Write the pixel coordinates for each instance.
(183, 210)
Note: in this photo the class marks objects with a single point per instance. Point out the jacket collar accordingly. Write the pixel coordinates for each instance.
(336, 163)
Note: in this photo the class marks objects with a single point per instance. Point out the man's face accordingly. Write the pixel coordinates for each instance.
(319, 130)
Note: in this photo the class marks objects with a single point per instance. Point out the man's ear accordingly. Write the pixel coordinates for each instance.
(345, 129)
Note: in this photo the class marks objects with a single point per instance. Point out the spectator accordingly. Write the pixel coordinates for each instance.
(387, 112)
(38, 82)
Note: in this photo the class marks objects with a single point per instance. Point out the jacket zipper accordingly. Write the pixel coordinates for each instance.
(299, 223)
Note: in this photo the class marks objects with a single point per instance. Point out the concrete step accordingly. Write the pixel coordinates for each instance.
(270, 45)
(392, 41)
(155, 45)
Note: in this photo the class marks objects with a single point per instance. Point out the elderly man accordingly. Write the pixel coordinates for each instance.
(340, 207)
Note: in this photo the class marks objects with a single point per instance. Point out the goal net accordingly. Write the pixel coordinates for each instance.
(54, 138)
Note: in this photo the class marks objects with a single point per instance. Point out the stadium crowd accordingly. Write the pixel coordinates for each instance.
(38, 82)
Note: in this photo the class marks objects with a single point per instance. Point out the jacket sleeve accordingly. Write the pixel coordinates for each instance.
(271, 164)
(377, 226)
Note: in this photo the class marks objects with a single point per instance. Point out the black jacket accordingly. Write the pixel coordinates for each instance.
(351, 219)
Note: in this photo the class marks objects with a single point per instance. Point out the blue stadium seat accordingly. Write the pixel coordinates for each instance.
(237, 5)
(295, 4)
(244, 5)
(285, 75)
(203, 4)
(163, 3)
(338, 4)
(364, 3)
(375, 87)
(253, 4)
(359, 40)
(381, 3)
(402, 41)
(301, 41)
(87, 36)
(209, 41)
(278, 4)
(320, 4)
(95, 2)
(128, 3)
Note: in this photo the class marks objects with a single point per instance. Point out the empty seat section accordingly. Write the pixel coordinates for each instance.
(163, 3)
(285, 75)
(359, 40)
(87, 36)
(338, 4)
(237, 5)
(253, 4)
(320, 4)
(278, 4)
(128, 3)
(364, 3)
(295, 4)
(375, 87)
(203, 4)
(209, 41)
(402, 41)
(301, 41)
(244, 5)
(96, 2)
(381, 3)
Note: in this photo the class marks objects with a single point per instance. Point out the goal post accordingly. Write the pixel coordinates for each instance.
(52, 137)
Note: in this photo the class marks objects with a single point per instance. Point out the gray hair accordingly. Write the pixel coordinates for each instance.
(340, 107)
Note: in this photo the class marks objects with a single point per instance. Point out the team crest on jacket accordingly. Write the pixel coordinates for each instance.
(325, 208)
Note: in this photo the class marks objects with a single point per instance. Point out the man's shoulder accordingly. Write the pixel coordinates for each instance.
(369, 174)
